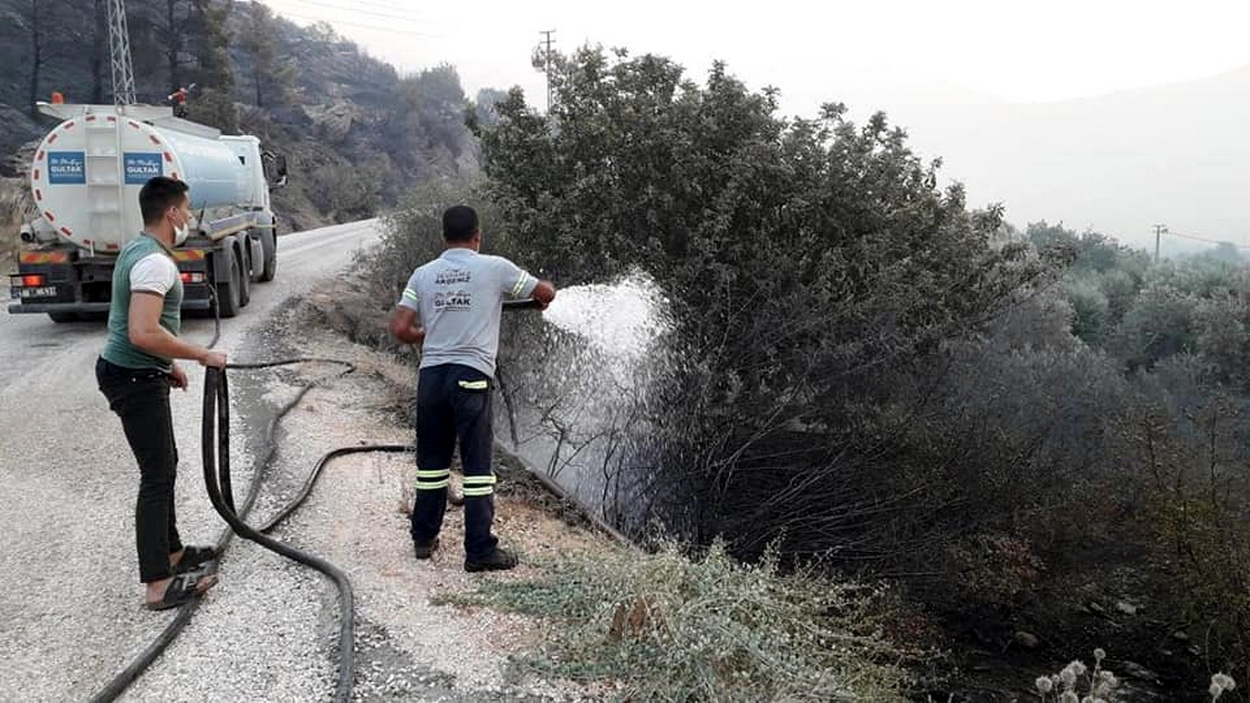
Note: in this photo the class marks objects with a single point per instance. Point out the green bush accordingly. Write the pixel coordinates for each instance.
(813, 271)
(860, 371)
(661, 627)
(412, 234)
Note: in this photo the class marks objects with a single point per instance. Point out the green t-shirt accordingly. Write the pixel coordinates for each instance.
(144, 264)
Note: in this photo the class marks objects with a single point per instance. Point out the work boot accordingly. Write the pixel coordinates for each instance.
(424, 548)
(497, 560)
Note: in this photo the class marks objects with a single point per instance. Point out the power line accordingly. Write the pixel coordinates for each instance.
(337, 23)
(547, 61)
(1204, 239)
(1161, 230)
(388, 6)
(354, 10)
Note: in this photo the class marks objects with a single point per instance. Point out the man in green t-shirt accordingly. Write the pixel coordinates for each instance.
(136, 371)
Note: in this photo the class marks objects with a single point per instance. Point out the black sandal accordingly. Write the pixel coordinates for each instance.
(193, 558)
(183, 589)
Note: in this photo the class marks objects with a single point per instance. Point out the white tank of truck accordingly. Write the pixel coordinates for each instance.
(88, 170)
(85, 180)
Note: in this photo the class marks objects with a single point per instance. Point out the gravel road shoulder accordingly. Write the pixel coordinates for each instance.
(407, 647)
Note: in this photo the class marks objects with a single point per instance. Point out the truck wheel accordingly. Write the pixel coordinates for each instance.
(61, 317)
(245, 279)
(228, 303)
(269, 247)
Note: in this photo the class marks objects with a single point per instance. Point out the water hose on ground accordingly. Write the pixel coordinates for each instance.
(215, 438)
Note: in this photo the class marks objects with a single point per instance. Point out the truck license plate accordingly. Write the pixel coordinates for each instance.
(45, 292)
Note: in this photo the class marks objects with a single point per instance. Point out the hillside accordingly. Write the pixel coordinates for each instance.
(356, 133)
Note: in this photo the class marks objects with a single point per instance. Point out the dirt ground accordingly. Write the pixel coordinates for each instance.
(357, 518)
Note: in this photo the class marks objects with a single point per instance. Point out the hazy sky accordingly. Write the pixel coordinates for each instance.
(923, 61)
(1014, 50)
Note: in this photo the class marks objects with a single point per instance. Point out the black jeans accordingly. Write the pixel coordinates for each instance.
(454, 403)
(140, 397)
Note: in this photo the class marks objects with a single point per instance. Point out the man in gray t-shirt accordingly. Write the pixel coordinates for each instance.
(451, 307)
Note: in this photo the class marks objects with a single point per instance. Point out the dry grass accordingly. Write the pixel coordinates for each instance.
(665, 627)
(14, 209)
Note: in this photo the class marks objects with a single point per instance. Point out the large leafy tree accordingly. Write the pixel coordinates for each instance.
(812, 268)
(272, 78)
(427, 123)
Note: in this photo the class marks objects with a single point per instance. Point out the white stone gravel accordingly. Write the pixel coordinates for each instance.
(70, 605)
(357, 519)
(70, 614)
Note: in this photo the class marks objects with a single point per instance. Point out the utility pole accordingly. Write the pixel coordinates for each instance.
(1160, 230)
(119, 44)
(548, 41)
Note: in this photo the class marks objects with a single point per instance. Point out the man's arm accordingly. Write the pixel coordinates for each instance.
(405, 326)
(544, 293)
(518, 284)
(146, 333)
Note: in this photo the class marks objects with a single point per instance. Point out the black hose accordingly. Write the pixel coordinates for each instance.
(526, 304)
(217, 480)
(140, 664)
(316, 474)
(127, 676)
(218, 483)
(133, 670)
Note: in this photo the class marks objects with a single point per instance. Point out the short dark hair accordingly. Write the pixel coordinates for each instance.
(158, 195)
(459, 223)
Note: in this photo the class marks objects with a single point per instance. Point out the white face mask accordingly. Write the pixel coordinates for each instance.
(181, 232)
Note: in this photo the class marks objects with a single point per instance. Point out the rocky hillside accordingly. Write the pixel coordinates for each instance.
(356, 133)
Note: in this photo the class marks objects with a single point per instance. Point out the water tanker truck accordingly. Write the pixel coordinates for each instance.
(85, 181)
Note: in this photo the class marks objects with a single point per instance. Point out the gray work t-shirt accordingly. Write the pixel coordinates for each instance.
(458, 297)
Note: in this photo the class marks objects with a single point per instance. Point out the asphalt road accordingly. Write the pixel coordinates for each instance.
(70, 614)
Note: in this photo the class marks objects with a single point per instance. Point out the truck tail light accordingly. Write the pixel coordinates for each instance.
(192, 277)
(33, 280)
